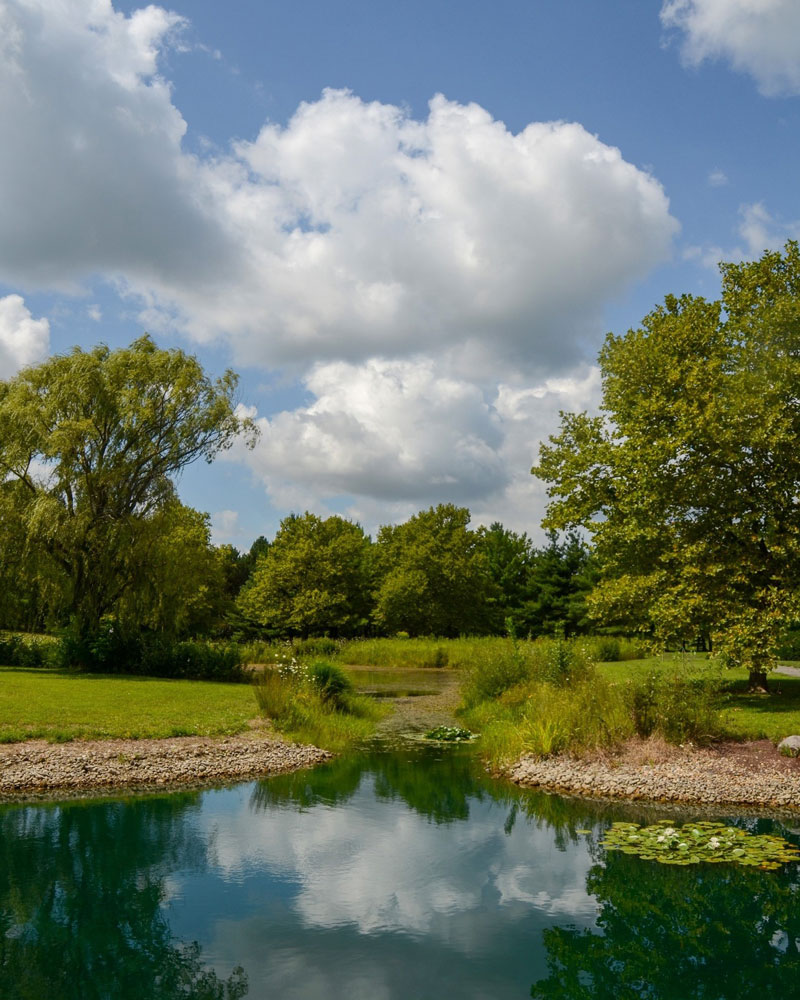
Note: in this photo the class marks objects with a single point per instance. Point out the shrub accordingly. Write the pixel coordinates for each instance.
(680, 708)
(27, 651)
(113, 649)
(331, 682)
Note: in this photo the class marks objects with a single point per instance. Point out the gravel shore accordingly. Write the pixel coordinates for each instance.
(42, 770)
(746, 774)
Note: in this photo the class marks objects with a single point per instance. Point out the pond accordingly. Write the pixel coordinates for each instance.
(405, 873)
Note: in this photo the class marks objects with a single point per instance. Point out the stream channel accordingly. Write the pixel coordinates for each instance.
(398, 871)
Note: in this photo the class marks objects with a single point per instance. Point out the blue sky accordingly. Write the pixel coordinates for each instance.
(408, 226)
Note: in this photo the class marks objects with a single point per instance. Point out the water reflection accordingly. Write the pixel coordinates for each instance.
(380, 876)
(668, 934)
(81, 889)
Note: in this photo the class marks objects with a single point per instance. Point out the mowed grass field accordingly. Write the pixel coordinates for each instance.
(746, 716)
(60, 706)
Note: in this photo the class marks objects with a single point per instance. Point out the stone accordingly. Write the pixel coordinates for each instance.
(790, 747)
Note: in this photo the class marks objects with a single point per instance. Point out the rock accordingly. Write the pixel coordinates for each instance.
(790, 747)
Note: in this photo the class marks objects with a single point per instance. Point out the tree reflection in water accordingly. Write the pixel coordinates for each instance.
(81, 894)
(708, 932)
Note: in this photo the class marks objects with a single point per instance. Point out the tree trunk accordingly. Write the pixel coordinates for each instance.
(758, 682)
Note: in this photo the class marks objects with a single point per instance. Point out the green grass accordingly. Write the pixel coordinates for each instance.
(745, 716)
(60, 706)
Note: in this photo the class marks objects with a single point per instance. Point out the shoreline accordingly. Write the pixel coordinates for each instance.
(36, 770)
(747, 775)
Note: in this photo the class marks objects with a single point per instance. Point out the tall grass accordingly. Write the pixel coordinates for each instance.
(316, 705)
(546, 697)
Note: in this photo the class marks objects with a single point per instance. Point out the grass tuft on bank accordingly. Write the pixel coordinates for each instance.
(317, 704)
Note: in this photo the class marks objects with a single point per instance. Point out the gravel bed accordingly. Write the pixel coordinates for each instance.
(750, 774)
(38, 769)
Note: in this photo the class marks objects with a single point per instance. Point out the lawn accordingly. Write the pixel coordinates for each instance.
(60, 706)
(747, 716)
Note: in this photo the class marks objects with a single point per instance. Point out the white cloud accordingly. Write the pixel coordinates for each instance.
(354, 231)
(717, 178)
(391, 437)
(759, 37)
(759, 230)
(94, 312)
(762, 231)
(23, 339)
(92, 151)
(401, 267)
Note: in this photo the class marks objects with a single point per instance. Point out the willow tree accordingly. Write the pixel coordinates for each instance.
(90, 445)
(689, 479)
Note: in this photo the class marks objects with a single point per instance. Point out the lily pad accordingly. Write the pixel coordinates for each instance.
(696, 843)
(450, 734)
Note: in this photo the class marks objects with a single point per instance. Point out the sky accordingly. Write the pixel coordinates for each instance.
(408, 227)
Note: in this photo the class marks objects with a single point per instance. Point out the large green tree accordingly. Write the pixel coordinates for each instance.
(90, 445)
(690, 478)
(314, 579)
(434, 576)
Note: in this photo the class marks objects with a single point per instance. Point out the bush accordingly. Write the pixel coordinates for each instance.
(680, 708)
(27, 651)
(331, 682)
(113, 649)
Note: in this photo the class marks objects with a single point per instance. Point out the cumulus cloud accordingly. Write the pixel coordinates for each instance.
(394, 436)
(100, 183)
(23, 339)
(351, 232)
(401, 267)
(759, 37)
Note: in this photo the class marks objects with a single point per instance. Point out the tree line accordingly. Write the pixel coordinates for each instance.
(92, 528)
(686, 484)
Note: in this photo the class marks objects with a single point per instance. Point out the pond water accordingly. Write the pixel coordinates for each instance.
(391, 874)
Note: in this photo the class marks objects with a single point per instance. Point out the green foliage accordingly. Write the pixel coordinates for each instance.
(332, 683)
(501, 665)
(433, 576)
(113, 648)
(561, 575)
(112, 429)
(509, 560)
(695, 843)
(28, 651)
(680, 707)
(314, 579)
(688, 482)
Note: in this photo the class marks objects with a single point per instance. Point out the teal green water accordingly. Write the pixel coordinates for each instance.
(403, 874)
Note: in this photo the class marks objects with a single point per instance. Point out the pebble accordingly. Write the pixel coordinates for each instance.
(36, 769)
(692, 778)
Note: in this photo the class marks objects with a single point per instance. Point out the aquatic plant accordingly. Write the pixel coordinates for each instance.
(450, 734)
(694, 843)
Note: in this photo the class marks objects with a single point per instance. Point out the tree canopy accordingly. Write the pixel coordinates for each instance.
(688, 480)
(315, 578)
(434, 578)
(90, 444)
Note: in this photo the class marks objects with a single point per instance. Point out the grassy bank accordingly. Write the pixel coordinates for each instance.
(60, 706)
(317, 704)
